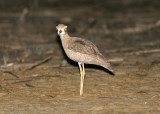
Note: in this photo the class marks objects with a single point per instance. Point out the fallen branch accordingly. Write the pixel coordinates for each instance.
(5, 60)
(29, 85)
(21, 22)
(39, 63)
(11, 73)
(144, 51)
(116, 60)
(23, 81)
(138, 29)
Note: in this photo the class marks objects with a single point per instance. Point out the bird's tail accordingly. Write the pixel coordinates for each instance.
(105, 64)
(108, 67)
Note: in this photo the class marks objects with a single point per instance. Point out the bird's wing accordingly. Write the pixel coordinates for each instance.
(83, 46)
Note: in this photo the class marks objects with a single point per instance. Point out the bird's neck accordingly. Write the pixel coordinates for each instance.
(64, 36)
(65, 39)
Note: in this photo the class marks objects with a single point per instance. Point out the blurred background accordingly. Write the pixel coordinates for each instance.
(27, 27)
(127, 32)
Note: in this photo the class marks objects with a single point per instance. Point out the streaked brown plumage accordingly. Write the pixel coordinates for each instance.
(81, 51)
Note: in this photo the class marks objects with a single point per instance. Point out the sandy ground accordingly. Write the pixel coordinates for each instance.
(128, 38)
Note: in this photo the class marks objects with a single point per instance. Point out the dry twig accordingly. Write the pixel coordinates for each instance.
(138, 29)
(144, 51)
(9, 72)
(40, 63)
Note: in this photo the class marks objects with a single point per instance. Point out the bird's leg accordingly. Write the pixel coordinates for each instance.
(81, 82)
(83, 71)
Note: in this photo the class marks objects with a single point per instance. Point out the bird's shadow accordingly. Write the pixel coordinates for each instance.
(100, 68)
(86, 65)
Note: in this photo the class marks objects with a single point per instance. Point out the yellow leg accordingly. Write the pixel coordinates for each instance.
(81, 82)
(83, 72)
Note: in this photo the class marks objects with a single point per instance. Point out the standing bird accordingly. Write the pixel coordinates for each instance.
(81, 51)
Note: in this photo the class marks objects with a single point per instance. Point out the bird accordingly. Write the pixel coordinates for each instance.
(82, 51)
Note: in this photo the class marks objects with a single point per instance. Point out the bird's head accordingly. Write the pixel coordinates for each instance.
(62, 29)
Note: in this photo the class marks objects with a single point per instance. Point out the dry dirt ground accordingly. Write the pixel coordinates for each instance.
(126, 33)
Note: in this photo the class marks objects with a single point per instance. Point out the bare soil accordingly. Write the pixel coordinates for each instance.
(127, 33)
